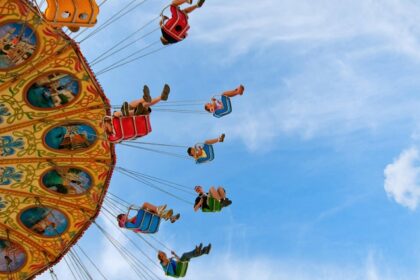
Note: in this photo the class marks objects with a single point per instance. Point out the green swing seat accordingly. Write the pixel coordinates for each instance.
(214, 205)
(181, 269)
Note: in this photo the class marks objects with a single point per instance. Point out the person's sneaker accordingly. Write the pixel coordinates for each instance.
(200, 3)
(167, 214)
(139, 110)
(165, 92)
(226, 202)
(160, 209)
(125, 109)
(175, 218)
(198, 249)
(222, 137)
(146, 94)
(206, 250)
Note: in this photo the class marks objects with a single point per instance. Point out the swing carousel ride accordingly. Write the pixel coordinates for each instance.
(57, 155)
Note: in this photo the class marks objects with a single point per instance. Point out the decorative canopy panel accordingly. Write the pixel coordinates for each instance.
(55, 164)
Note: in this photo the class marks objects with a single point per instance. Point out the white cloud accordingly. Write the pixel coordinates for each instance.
(231, 267)
(239, 267)
(245, 26)
(402, 179)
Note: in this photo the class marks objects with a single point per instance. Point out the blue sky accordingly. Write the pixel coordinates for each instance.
(321, 157)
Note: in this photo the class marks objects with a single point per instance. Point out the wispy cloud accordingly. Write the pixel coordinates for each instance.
(232, 267)
(402, 179)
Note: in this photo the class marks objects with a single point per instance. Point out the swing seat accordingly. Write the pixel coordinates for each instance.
(209, 152)
(128, 128)
(149, 222)
(73, 14)
(181, 269)
(177, 26)
(227, 107)
(214, 205)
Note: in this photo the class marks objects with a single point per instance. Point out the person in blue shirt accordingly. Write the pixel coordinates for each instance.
(169, 265)
(216, 105)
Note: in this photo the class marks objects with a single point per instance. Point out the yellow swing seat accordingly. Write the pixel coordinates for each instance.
(72, 13)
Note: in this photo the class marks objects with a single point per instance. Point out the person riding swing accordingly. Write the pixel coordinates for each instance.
(175, 29)
(177, 266)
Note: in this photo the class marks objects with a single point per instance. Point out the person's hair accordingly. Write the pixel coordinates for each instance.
(207, 108)
(189, 151)
(119, 219)
(164, 41)
(159, 254)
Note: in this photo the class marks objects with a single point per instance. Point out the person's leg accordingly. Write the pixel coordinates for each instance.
(192, 254)
(135, 103)
(215, 140)
(179, 2)
(222, 193)
(214, 193)
(153, 102)
(237, 91)
(150, 207)
(190, 9)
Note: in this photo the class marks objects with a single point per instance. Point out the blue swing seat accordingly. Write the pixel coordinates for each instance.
(227, 107)
(209, 152)
(146, 222)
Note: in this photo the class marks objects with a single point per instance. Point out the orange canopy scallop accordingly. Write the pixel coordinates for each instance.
(55, 166)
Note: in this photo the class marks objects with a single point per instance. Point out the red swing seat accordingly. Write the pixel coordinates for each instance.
(129, 128)
(177, 26)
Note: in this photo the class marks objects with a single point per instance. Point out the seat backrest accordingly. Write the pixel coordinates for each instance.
(128, 128)
(116, 136)
(145, 223)
(210, 154)
(214, 205)
(227, 107)
(154, 224)
(142, 124)
(74, 13)
(177, 26)
(181, 268)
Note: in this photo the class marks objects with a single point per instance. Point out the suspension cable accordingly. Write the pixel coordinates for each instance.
(123, 253)
(100, 57)
(108, 20)
(156, 151)
(90, 260)
(148, 243)
(176, 186)
(103, 71)
(128, 174)
(113, 19)
(128, 59)
(131, 240)
(69, 267)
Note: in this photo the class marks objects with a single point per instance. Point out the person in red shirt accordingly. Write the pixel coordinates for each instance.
(175, 29)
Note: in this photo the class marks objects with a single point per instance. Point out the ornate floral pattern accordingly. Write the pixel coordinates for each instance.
(8, 145)
(9, 174)
(4, 112)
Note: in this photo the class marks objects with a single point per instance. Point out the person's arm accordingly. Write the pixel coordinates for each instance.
(176, 256)
(162, 20)
(198, 205)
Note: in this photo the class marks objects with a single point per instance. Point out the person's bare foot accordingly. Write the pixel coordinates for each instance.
(241, 89)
